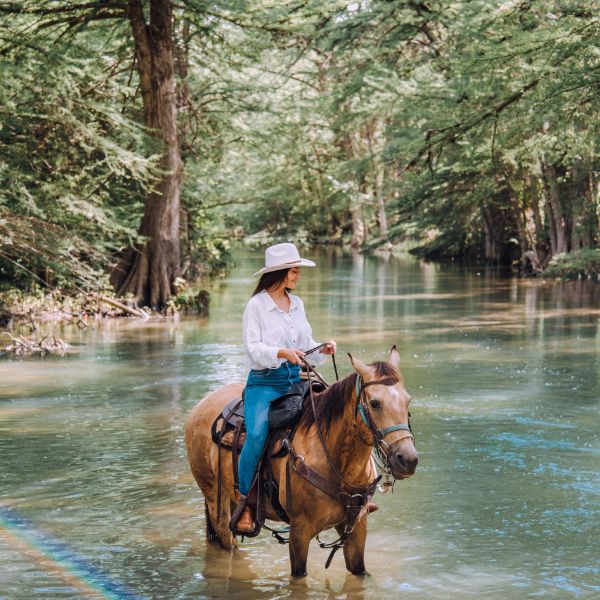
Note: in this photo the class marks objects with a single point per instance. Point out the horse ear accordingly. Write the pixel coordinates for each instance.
(364, 370)
(394, 357)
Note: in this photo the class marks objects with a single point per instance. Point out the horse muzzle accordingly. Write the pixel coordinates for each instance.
(403, 459)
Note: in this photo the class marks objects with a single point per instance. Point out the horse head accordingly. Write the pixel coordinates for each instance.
(382, 406)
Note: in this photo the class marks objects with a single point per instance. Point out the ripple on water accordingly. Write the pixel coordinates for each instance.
(504, 504)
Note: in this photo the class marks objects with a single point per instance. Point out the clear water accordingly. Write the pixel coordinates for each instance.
(96, 499)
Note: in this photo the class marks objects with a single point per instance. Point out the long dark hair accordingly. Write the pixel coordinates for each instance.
(271, 280)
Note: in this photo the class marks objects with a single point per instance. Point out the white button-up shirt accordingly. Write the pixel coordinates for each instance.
(267, 329)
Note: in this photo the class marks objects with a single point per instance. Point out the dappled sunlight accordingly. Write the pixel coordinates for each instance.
(16, 412)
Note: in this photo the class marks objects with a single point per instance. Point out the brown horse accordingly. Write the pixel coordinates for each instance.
(349, 435)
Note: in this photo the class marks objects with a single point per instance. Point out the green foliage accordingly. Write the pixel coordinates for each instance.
(190, 300)
(573, 265)
(72, 168)
(455, 115)
(470, 128)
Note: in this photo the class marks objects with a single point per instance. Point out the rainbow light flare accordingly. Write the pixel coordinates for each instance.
(55, 557)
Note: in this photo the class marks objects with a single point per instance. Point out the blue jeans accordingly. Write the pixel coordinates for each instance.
(263, 386)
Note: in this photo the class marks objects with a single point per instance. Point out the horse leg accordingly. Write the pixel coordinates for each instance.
(219, 528)
(300, 536)
(354, 547)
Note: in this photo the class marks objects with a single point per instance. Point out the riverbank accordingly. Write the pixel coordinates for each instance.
(567, 266)
(27, 308)
(20, 308)
(581, 264)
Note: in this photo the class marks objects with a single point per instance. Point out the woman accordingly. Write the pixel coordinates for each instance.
(276, 336)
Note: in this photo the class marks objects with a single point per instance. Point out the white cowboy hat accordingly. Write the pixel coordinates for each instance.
(283, 256)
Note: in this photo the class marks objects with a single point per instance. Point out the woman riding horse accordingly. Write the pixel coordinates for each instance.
(276, 334)
(326, 479)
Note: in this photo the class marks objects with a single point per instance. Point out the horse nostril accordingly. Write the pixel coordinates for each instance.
(410, 464)
(400, 458)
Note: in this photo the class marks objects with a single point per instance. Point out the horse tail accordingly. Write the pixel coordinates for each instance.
(211, 534)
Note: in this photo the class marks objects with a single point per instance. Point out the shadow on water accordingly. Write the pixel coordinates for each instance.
(229, 574)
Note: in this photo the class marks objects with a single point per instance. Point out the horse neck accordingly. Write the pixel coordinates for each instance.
(346, 447)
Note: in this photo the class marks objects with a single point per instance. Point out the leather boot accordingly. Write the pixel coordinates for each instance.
(246, 521)
(372, 507)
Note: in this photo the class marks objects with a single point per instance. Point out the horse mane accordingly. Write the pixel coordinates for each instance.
(330, 404)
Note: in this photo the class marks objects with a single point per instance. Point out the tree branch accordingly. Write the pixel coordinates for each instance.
(452, 133)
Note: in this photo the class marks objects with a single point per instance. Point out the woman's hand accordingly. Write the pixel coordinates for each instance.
(331, 348)
(292, 354)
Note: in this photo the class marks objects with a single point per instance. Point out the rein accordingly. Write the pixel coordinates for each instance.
(308, 352)
(356, 498)
(318, 427)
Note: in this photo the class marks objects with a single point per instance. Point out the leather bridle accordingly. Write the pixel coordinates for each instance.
(379, 444)
(362, 407)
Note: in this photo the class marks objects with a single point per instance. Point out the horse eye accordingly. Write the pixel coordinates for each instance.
(375, 404)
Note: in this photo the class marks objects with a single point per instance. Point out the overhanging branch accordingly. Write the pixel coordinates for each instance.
(436, 138)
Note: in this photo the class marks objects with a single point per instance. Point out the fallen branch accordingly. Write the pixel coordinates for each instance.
(20, 346)
(137, 312)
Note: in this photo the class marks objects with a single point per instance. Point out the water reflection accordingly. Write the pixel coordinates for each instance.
(505, 380)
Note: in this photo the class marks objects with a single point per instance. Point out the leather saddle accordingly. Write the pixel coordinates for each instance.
(228, 429)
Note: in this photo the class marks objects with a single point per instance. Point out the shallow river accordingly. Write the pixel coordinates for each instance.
(96, 499)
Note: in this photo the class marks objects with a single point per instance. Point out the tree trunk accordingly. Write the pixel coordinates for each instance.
(355, 207)
(541, 239)
(557, 222)
(149, 271)
(378, 179)
(381, 216)
(551, 229)
(359, 235)
(582, 221)
(489, 236)
(592, 224)
(520, 219)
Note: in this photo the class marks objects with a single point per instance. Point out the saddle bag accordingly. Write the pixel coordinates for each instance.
(286, 410)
